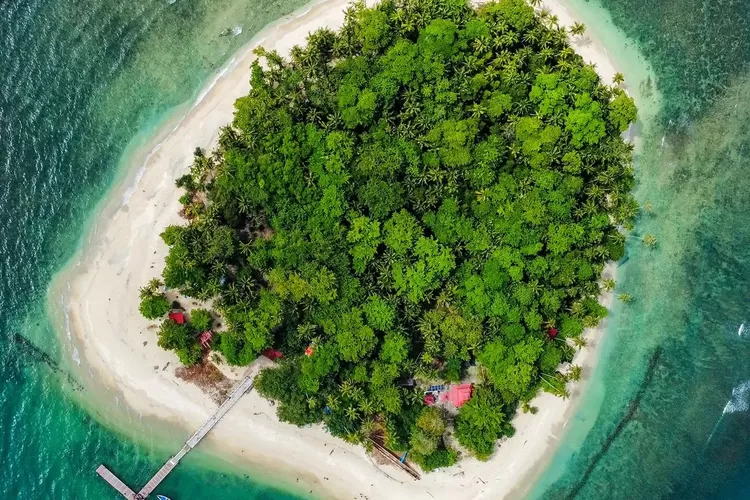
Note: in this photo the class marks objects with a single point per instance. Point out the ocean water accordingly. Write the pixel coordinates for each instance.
(79, 81)
(667, 414)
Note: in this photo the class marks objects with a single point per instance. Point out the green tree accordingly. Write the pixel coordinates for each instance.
(154, 306)
(201, 319)
(577, 29)
(365, 235)
(180, 339)
(575, 373)
(430, 184)
(481, 422)
(650, 241)
(431, 421)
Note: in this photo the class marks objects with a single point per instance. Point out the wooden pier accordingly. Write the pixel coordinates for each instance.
(239, 390)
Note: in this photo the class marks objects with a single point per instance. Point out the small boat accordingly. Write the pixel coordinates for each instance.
(162, 497)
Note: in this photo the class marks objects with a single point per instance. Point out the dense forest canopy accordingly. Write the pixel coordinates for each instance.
(425, 194)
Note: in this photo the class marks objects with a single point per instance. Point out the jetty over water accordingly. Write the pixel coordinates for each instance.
(239, 390)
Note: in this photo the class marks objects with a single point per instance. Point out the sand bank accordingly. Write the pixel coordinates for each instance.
(99, 297)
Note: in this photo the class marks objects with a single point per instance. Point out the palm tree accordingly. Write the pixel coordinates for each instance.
(217, 268)
(346, 388)
(650, 240)
(557, 385)
(477, 111)
(332, 402)
(535, 3)
(245, 204)
(409, 367)
(155, 284)
(233, 293)
(351, 413)
(357, 393)
(608, 285)
(366, 406)
(567, 53)
(578, 29)
(580, 342)
(590, 321)
(625, 298)
(575, 373)
(481, 44)
(577, 308)
(648, 207)
(618, 79)
(305, 331)
(212, 289)
(546, 53)
(246, 248)
(617, 238)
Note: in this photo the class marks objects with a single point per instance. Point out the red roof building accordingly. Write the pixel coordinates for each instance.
(552, 332)
(205, 339)
(457, 395)
(273, 354)
(429, 399)
(177, 316)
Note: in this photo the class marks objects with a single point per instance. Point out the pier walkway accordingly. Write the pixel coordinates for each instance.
(239, 390)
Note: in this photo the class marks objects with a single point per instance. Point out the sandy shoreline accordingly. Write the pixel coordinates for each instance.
(97, 297)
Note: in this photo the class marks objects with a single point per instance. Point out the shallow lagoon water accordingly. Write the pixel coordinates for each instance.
(79, 81)
(667, 413)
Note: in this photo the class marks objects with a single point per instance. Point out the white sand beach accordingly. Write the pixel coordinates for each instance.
(118, 348)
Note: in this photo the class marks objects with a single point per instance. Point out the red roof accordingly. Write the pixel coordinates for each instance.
(273, 354)
(552, 332)
(457, 395)
(177, 316)
(309, 351)
(429, 399)
(205, 338)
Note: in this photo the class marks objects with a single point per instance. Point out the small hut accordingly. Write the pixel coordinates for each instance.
(205, 339)
(273, 354)
(457, 395)
(177, 316)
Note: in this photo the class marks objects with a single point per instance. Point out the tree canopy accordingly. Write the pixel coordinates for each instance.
(430, 186)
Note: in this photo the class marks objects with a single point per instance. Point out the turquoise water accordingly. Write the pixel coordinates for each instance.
(78, 81)
(667, 414)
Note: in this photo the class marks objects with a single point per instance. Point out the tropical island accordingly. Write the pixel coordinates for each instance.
(427, 196)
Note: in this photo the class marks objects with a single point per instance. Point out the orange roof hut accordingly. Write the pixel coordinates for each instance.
(457, 395)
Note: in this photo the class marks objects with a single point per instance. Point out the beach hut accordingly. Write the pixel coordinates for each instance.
(457, 395)
(177, 316)
(205, 339)
(273, 354)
